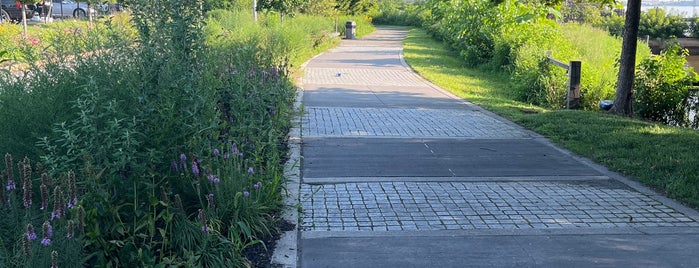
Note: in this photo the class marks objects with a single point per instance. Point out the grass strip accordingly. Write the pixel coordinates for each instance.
(662, 157)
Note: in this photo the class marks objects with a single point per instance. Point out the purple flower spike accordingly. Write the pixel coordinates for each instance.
(226, 156)
(31, 236)
(257, 185)
(10, 186)
(195, 169)
(183, 158)
(216, 180)
(56, 214)
(246, 193)
(251, 171)
(217, 152)
(234, 149)
(46, 242)
(72, 203)
(173, 166)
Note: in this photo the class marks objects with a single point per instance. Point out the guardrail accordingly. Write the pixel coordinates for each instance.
(574, 69)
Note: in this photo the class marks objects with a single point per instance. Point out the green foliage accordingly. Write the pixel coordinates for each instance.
(320, 8)
(661, 157)
(655, 23)
(662, 86)
(581, 11)
(613, 24)
(174, 126)
(355, 7)
(396, 12)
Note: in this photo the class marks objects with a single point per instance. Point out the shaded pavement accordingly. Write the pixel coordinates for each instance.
(399, 173)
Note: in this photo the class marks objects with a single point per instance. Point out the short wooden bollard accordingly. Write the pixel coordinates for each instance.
(574, 85)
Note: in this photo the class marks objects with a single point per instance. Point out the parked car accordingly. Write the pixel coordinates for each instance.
(66, 8)
(12, 11)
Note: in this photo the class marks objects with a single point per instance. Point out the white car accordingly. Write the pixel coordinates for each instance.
(67, 8)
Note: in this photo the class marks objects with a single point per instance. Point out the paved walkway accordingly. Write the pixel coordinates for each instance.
(398, 173)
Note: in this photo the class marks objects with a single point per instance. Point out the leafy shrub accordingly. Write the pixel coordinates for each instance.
(175, 138)
(655, 23)
(662, 86)
(613, 24)
(581, 12)
(694, 28)
(395, 12)
(546, 85)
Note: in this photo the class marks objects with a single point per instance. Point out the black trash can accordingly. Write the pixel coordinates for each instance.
(350, 29)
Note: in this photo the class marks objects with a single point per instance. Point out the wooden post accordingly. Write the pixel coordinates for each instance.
(574, 85)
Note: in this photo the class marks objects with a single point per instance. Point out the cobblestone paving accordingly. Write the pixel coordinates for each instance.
(362, 77)
(376, 122)
(386, 206)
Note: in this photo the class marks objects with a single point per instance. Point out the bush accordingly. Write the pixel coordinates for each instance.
(613, 24)
(395, 12)
(655, 23)
(662, 86)
(175, 138)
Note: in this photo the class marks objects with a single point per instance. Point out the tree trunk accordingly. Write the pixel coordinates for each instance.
(623, 102)
(24, 19)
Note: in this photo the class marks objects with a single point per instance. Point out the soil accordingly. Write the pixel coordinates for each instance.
(260, 254)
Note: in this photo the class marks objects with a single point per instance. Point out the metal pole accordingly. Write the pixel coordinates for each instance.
(254, 10)
(574, 85)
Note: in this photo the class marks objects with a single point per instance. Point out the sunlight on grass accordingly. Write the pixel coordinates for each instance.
(660, 156)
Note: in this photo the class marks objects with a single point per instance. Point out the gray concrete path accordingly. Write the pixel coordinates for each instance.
(399, 173)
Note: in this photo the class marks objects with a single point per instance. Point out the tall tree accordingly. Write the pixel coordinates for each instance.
(623, 101)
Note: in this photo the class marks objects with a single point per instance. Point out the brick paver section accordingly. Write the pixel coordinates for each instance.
(362, 77)
(380, 122)
(386, 206)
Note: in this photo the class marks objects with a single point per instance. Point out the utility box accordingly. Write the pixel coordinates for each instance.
(350, 29)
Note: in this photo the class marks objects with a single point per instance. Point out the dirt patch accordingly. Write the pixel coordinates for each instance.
(260, 255)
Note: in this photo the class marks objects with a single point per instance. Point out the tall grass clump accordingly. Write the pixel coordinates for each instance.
(515, 37)
(159, 142)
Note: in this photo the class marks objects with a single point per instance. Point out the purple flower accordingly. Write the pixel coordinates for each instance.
(251, 171)
(263, 73)
(31, 236)
(183, 158)
(173, 166)
(10, 185)
(226, 156)
(56, 214)
(213, 179)
(234, 149)
(257, 185)
(216, 152)
(273, 70)
(205, 229)
(246, 193)
(72, 202)
(48, 233)
(240, 155)
(195, 169)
